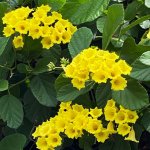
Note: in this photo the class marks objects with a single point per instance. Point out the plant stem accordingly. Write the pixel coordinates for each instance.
(13, 85)
(1, 66)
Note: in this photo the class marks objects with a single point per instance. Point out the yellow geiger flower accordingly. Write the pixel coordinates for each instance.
(101, 67)
(18, 41)
(73, 120)
(41, 23)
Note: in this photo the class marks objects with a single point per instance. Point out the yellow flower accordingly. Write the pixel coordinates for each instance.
(64, 23)
(93, 65)
(59, 27)
(89, 53)
(60, 124)
(65, 106)
(56, 37)
(39, 14)
(53, 130)
(71, 115)
(95, 113)
(100, 76)
(109, 63)
(78, 108)
(131, 116)
(122, 108)
(123, 129)
(121, 117)
(48, 20)
(36, 132)
(82, 75)
(69, 70)
(114, 72)
(22, 13)
(46, 31)
(56, 15)
(46, 8)
(35, 31)
(22, 27)
(47, 42)
(85, 112)
(112, 56)
(8, 31)
(102, 136)
(131, 136)
(118, 83)
(71, 28)
(110, 128)
(94, 126)
(125, 68)
(71, 132)
(34, 21)
(42, 143)
(80, 133)
(18, 41)
(44, 129)
(79, 84)
(110, 113)
(54, 140)
(66, 36)
(110, 103)
(148, 35)
(7, 18)
(80, 122)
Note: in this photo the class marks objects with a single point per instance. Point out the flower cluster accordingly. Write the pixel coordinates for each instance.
(42, 24)
(99, 66)
(74, 120)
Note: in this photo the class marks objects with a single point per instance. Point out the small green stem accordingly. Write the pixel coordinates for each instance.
(58, 68)
(116, 39)
(13, 85)
(6, 67)
(8, 91)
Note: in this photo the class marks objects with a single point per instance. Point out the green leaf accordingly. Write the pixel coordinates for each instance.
(53, 53)
(80, 12)
(86, 141)
(132, 9)
(33, 51)
(11, 110)
(3, 8)
(41, 65)
(100, 24)
(15, 3)
(55, 4)
(133, 97)
(81, 39)
(3, 44)
(138, 21)
(65, 90)
(13, 142)
(103, 93)
(141, 68)
(6, 59)
(145, 58)
(34, 111)
(43, 89)
(131, 51)
(120, 143)
(84, 100)
(147, 3)
(23, 68)
(3, 85)
(146, 121)
(115, 17)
